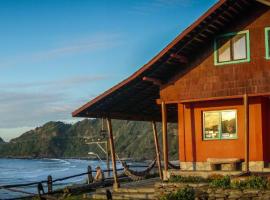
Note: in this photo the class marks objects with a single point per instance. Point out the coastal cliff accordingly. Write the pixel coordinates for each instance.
(59, 140)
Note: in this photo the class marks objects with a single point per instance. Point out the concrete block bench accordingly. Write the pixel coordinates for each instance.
(215, 162)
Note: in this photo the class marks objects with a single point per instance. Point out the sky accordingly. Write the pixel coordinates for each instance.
(56, 55)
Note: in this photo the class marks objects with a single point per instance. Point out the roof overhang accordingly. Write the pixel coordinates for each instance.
(135, 97)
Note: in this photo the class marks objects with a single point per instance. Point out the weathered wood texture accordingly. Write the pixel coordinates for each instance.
(112, 150)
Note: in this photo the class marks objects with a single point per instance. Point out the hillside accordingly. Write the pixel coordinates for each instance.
(1, 141)
(57, 139)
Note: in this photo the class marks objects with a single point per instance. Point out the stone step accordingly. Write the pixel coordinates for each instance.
(120, 196)
(267, 169)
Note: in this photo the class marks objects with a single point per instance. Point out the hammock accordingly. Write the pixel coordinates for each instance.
(135, 175)
(172, 166)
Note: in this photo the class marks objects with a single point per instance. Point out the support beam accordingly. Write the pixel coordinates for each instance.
(164, 139)
(112, 150)
(153, 80)
(180, 58)
(246, 108)
(265, 2)
(157, 149)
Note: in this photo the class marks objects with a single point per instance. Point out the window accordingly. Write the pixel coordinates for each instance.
(220, 125)
(267, 43)
(232, 48)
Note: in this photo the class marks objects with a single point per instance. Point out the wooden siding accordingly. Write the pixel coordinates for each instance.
(203, 79)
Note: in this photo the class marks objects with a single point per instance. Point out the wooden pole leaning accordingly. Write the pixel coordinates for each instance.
(108, 157)
(112, 150)
(164, 139)
(246, 108)
(157, 149)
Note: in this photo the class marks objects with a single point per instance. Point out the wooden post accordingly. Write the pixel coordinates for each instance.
(89, 175)
(246, 107)
(164, 139)
(49, 184)
(157, 149)
(40, 191)
(108, 157)
(112, 150)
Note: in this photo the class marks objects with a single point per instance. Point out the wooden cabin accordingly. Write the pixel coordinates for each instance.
(214, 81)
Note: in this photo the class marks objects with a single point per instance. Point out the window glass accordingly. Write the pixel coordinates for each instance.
(232, 48)
(220, 124)
(211, 125)
(224, 52)
(228, 124)
(239, 47)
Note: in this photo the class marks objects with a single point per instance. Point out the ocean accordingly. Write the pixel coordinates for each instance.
(16, 171)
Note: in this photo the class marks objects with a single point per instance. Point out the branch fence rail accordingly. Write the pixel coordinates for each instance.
(49, 182)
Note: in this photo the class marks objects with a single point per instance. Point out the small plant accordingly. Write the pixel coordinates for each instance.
(182, 194)
(224, 182)
(187, 179)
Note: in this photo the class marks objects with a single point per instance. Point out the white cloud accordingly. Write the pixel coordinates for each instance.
(60, 83)
(95, 42)
(34, 103)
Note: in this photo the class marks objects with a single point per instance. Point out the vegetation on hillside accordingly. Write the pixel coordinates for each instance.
(1, 141)
(57, 139)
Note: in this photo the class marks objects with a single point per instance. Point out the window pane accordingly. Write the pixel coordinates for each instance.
(211, 125)
(239, 47)
(228, 124)
(224, 51)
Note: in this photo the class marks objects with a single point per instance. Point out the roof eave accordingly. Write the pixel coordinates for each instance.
(77, 112)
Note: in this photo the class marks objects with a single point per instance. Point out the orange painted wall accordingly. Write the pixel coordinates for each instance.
(266, 128)
(192, 147)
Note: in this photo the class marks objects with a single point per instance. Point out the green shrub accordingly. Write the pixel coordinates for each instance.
(253, 182)
(224, 182)
(183, 194)
(187, 179)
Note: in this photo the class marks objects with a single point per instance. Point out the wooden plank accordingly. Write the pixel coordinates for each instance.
(164, 139)
(112, 149)
(152, 80)
(157, 149)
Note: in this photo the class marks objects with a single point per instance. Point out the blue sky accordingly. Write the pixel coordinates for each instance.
(57, 55)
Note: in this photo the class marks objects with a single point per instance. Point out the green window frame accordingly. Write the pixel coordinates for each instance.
(229, 37)
(221, 133)
(267, 43)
